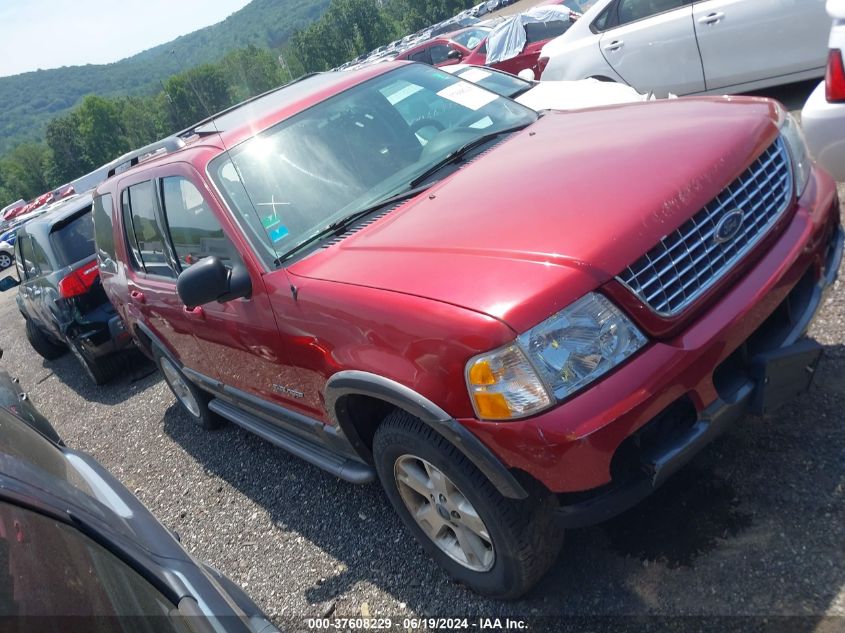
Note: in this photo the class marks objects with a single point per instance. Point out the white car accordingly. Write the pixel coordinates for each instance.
(7, 254)
(823, 116)
(547, 95)
(693, 47)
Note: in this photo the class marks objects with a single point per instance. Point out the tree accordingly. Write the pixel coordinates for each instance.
(68, 159)
(101, 128)
(251, 71)
(197, 94)
(24, 170)
(144, 119)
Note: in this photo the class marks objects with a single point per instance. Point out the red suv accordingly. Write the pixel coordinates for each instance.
(517, 322)
(469, 46)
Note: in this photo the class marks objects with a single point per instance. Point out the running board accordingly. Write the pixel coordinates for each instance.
(340, 466)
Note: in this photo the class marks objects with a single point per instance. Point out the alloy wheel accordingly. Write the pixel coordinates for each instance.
(5, 260)
(444, 513)
(177, 383)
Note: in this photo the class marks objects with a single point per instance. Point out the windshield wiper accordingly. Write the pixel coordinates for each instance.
(456, 155)
(339, 226)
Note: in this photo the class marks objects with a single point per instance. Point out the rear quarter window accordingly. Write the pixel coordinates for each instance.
(74, 241)
(103, 216)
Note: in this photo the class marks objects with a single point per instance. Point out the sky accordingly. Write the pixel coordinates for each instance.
(52, 33)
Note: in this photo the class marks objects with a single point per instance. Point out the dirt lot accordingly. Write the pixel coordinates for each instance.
(754, 526)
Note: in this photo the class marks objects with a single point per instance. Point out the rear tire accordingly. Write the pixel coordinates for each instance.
(193, 400)
(498, 547)
(42, 344)
(5, 261)
(99, 370)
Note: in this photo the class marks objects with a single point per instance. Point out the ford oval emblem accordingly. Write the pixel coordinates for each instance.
(728, 227)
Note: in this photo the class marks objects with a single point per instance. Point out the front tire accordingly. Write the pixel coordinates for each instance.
(5, 261)
(496, 546)
(194, 401)
(42, 344)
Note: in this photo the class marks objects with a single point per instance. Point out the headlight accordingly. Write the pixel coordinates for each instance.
(552, 360)
(792, 135)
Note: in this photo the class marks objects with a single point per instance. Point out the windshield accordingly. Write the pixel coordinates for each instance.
(471, 38)
(352, 150)
(500, 83)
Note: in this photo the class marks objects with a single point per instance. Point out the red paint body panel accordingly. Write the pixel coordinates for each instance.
(569, 448)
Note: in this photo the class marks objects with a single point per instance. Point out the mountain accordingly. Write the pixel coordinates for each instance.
(28, 101)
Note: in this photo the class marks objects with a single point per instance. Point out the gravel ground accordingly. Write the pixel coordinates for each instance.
(754, 526)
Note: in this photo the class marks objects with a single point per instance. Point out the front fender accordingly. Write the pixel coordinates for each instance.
(352, 382)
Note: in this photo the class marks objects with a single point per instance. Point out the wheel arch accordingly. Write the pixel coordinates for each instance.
(353, 396)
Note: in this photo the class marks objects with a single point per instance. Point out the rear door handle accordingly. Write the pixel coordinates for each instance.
(614, 45)
(711, 18)
(137, 295)
(194, 313)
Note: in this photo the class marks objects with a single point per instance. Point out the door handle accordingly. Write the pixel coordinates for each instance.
(615, 45)
(137, 295)
(711, 18)
(194, 313)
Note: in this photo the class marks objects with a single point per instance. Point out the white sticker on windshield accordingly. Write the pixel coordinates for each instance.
(475, 75)
(403, 93)
(468, 95)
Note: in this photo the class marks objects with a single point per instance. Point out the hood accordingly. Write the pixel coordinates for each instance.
(574, 95)
(555, 210)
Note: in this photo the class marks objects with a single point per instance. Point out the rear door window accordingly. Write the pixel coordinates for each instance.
(627, 11)
(146, 240)
(421, 56)
(194, 230)
(74, 241)
(439, 53)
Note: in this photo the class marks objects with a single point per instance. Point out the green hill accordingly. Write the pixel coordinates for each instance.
(31, 99)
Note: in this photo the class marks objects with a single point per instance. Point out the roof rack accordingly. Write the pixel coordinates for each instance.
(162, 146)
(195, 130)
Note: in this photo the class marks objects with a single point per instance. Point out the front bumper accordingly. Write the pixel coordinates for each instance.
(823, 124)
(619, 440)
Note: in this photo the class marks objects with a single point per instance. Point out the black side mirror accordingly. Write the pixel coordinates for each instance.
(209, 280)
(453, 54)
(7, 283)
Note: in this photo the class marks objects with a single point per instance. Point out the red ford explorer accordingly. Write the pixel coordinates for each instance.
(516, 322)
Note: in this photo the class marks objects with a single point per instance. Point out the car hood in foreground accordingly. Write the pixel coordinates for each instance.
(555, 210)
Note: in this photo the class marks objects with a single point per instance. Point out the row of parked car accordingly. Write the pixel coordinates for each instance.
(518, 320)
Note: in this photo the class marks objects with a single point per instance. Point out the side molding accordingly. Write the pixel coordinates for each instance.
(346, 383)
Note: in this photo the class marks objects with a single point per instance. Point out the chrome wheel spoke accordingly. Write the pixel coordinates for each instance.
(429, 520)
(476, 549)
(415, 478)
(438, 479)
(470, 520)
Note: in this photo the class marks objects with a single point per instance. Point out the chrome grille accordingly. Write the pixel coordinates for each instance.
(690, 260)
